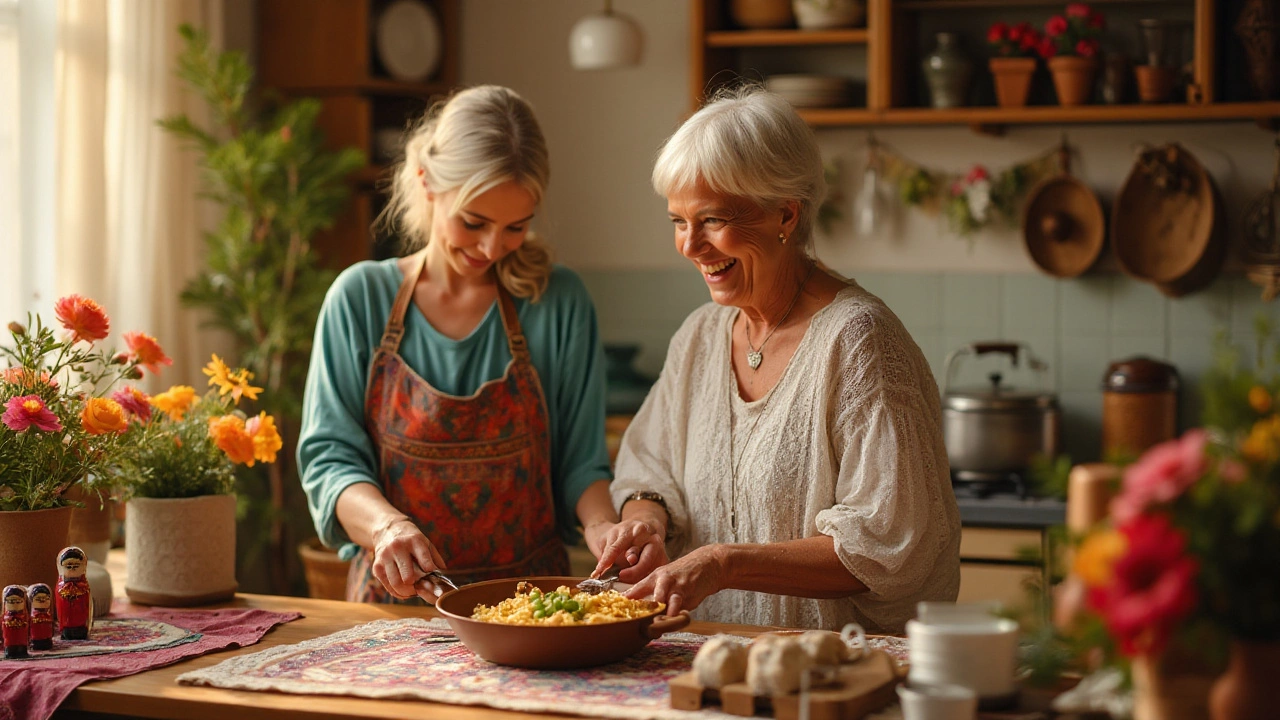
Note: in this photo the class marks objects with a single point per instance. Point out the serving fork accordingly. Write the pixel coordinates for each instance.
(595, 586)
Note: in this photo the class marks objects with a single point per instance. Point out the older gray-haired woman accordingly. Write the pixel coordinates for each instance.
(790, 456)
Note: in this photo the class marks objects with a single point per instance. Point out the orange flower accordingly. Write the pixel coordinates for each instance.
(228, 433)
(83, 317)
(266, 439)
(228, 381)
(144, 350)
(1259, 399)
(176, 401)
(1095, 560)
(103, 415)
(23, 376)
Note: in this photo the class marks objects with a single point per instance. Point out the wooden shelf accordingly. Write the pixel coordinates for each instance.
(372, 86)
(994, 116)
(784, 38)
(916, 5)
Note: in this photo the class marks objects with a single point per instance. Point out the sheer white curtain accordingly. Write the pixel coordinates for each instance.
(11, 295)
(129, 220)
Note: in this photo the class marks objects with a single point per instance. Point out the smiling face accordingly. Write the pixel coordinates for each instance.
(732, 241)
(485, 230)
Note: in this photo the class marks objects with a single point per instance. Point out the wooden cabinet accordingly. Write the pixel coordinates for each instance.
(998, 564)
(885, 58)
(325, 49)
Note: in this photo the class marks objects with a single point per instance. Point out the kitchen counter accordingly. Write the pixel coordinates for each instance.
(156, 694)
(1011, 511)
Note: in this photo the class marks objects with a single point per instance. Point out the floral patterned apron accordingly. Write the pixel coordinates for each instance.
(474, 473)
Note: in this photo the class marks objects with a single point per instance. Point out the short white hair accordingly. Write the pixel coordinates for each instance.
(749, 143)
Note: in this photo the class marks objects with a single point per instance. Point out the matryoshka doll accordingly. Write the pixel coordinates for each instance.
(40, 601)
(16, 623)
(75, 607)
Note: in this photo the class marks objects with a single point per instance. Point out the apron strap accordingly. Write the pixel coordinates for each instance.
(511, 323)
(395, 323)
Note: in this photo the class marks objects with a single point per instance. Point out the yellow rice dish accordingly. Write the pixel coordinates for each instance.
(531, 606)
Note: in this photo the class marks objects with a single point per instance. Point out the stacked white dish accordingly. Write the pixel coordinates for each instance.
(965, 645)
(810, 91)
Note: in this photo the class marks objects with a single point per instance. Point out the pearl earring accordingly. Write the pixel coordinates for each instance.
(782, 238)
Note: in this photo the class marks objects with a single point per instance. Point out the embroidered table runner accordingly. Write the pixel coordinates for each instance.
(138, 640)
(417, 659)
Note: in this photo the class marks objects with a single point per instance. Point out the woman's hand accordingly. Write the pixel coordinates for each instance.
(635, 544)
(686, 582)
(401, 555)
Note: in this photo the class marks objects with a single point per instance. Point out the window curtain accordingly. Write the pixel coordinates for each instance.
(129, 220)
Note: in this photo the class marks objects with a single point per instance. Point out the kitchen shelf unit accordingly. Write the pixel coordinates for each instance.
(325, 50)
(719, 53)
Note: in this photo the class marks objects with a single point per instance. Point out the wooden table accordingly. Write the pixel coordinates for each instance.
(156, 693)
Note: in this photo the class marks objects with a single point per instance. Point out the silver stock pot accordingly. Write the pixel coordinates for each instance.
(996, 430)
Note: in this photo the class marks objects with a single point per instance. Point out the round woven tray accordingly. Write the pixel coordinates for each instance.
(1063, 226)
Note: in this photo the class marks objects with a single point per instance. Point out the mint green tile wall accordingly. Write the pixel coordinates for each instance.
(1076, 326)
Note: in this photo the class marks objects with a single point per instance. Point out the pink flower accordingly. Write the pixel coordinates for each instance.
(1046, 48)
(83, 317)
(1087, 48)
(1078, 10)
(134, 401)
(25, 411)
(1153, 586)
(1163, 473)
(1056, 26)
(1232, 471)
(997, 33)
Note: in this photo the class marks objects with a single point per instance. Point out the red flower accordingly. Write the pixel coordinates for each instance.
(998, 33)
(83, 317)
(1096, 21)
(1087, 48)
(977, 173)
(1152, 587)
(1029, 41)
(1078, 10)
(25, 411)
(1046, 48)
(134, 401)
(1056, 26)
(146, 351)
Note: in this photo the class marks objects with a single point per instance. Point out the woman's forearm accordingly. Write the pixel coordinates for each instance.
(803, 568)
(365, 512)
(595, 506)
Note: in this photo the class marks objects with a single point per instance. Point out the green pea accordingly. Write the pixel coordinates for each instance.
(572, 606)
(539, 614)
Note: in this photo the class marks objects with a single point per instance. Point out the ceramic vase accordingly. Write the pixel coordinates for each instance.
(947, 70)
(181, 551)
(1247, 690)
(30, 541)
(1013, 79)
(1155, 84)
(1072, 78)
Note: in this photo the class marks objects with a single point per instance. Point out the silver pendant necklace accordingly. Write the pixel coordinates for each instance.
(754, 356)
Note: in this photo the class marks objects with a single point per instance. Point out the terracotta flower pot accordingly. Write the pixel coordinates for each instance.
(29, 544)
(1169, 687)
(181, 551)
(326, 573)
(1013, 79)
(1072, 78)
(1155, 84)
(1247, 690)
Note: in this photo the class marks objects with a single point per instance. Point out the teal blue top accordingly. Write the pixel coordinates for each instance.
(335, 451)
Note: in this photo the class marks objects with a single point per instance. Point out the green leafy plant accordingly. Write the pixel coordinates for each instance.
(278, 186)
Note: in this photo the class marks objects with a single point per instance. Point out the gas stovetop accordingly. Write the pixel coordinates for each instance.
(983, 485)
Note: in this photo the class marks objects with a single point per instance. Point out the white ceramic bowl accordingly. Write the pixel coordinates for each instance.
(981, 656)
(937, 702)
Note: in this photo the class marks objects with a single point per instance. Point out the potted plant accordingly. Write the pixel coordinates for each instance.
(1190, 555)
(1070, 48)
(58, 429)
(177, 473)
(1013, 63)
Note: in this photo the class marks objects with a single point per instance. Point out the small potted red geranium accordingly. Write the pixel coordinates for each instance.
(1070, 47)
(1013, 62)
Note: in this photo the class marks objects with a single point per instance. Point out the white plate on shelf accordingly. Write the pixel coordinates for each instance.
(407, 39)
(811, 91)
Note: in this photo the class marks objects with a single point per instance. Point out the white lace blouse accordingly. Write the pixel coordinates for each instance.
(848, 444)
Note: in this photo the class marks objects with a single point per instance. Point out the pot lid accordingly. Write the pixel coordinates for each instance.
(1140, 374)
(998, 397)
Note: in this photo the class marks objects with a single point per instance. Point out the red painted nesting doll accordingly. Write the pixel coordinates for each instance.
(40, 601)
(75, 607)
(16, 623)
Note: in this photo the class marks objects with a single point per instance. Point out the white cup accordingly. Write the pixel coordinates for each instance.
(937, 702)
(979, 654)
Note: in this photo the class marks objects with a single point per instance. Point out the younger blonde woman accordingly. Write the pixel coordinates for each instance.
(454, 408)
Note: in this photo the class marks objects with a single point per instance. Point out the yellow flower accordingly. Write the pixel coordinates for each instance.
(103, 415)
(229, 435)
(176, 401)
(1097, 556)
(1259, 399)
(228, 381)
(266, 439)
(1263, 443)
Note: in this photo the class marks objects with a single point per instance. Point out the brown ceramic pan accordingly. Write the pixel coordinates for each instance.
(542, 647)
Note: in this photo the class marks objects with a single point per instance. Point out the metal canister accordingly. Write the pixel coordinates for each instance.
(1139, 406)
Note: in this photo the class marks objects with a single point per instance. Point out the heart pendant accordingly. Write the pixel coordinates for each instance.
(754, 359)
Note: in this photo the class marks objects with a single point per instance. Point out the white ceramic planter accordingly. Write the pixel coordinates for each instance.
(828, 14)
(182, 551)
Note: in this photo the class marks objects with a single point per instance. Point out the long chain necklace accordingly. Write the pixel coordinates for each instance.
(756, 356)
